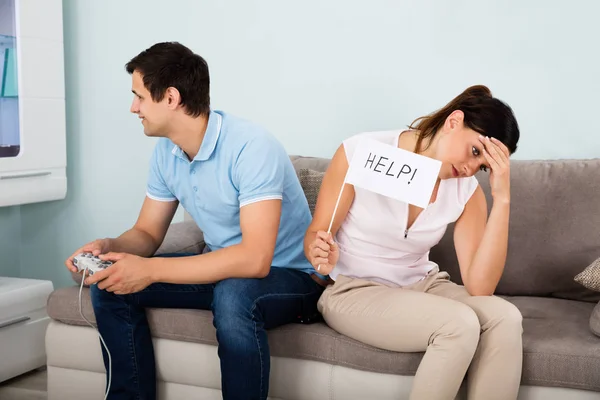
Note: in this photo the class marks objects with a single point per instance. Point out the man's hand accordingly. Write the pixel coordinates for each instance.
(128, 274)
(97, 247)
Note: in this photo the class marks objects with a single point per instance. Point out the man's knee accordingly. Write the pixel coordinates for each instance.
(103, 298)
(232, 303)
(97, 295)
(234, 315)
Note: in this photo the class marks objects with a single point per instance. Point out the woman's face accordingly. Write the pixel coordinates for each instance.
(459, 149)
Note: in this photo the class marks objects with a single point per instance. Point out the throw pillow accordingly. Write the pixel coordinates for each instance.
(595, 320)
(310, 180)
(590, 277)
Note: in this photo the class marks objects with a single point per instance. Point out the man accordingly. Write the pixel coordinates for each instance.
(239, 185)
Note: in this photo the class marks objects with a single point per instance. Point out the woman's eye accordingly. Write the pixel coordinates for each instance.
(476, 152)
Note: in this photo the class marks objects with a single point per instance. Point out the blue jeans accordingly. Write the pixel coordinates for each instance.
(243, 310)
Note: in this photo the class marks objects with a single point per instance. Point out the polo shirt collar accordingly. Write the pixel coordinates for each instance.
(211, 136)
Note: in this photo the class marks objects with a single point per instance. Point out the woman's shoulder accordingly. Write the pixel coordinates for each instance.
(464, 188)
(388, 137)
(381, 136)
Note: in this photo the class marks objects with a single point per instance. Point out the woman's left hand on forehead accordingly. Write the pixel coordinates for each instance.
(496, 150)
(495, 142)
(497, 155)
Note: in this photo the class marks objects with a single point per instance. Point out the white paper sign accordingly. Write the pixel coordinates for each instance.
(393, 172)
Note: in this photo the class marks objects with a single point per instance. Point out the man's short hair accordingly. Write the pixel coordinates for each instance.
(171, 64)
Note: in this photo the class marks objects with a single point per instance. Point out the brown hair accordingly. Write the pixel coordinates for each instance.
(484, 114)
(171, 64)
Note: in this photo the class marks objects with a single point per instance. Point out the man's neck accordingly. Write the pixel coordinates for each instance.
(188, 134)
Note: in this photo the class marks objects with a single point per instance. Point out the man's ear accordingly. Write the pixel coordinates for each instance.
(173, 98)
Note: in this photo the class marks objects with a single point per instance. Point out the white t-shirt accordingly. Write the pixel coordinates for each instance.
(373, 241)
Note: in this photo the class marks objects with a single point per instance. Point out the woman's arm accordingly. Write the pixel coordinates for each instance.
(316, 243)
(481, 247)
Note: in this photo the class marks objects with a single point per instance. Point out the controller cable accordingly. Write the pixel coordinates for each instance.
(101, 338)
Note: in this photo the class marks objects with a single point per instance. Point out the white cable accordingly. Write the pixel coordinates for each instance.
(101, 338)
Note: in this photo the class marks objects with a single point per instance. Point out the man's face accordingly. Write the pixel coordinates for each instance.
(154, 115)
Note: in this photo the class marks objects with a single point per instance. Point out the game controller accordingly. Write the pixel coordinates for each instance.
(90, 262)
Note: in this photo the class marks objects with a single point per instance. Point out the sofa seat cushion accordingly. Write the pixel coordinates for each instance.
(559, 349)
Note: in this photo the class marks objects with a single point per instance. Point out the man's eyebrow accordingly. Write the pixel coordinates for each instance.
(134, 92)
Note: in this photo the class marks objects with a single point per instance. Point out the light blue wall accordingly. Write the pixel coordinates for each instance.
(10, 241)
(314, 72)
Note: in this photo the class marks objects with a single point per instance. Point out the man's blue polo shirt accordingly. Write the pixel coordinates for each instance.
(239, 163)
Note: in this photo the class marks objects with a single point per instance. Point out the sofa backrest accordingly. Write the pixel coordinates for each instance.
(554, 227)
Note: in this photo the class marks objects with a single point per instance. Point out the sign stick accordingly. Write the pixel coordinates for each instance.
(337, 203)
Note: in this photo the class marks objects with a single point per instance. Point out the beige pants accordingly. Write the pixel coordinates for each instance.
(457, 331)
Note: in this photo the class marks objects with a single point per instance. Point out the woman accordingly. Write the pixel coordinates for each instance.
(387, 293)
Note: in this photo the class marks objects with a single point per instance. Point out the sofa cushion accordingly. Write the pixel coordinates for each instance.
(310, 180)
(559, 349)
(590, 276)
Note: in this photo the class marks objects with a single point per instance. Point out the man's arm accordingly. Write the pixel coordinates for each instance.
(251, 258)
(149, 231)
(143, 239)
(260, 181)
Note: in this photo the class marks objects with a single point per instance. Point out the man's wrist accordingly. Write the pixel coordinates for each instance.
(110, 245)
(154, 268)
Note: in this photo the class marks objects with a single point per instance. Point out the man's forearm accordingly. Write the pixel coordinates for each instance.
(238, 261)
(134, 241)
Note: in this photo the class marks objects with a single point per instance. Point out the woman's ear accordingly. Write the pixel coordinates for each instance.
(454, 120)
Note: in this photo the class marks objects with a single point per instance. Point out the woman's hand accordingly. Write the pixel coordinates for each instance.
(497, 156)
(323, 253)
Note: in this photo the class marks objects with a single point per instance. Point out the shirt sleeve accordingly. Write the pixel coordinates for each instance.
(467, 188)
(260, 171)
(156, 188)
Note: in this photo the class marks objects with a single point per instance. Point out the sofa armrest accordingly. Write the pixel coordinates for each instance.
(182, 237)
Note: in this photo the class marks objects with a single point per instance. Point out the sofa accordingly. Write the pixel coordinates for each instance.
(554, 235)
